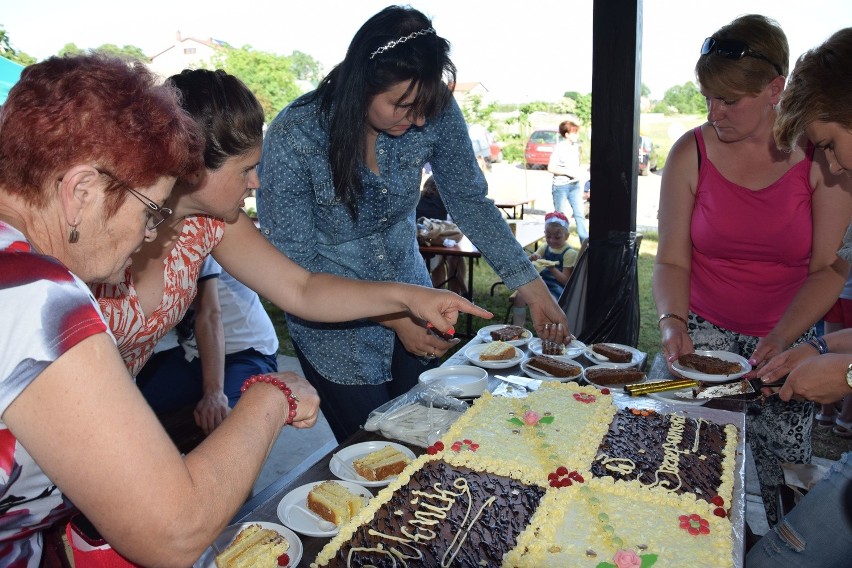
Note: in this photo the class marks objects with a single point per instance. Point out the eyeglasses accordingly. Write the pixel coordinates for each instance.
(156, 214)
(734, 49)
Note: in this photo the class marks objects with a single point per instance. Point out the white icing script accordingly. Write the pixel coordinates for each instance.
(403, 548)
(671, 455)
(624, 466)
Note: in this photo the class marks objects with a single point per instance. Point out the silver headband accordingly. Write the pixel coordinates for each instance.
(395, 42)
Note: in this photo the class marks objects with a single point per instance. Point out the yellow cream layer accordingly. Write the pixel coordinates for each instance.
(588, 524)
(560, 424)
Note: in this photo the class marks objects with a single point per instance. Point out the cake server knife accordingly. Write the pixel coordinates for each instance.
(529, 384)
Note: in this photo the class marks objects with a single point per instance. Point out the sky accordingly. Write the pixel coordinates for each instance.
(534, 50)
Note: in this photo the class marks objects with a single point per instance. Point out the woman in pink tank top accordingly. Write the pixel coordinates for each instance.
(747, 257)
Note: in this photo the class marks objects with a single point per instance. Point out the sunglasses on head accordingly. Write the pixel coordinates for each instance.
(734, 49)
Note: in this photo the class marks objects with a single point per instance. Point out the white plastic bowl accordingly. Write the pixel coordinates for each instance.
(459, 380)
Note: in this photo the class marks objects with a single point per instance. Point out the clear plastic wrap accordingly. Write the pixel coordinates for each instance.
(418, 417)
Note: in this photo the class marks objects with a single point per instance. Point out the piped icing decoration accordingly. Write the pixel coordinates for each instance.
(564, 478)
(531, 418)
(625, 558)
(694, 524)
(435, 448)
(462, 445)
(584, 397)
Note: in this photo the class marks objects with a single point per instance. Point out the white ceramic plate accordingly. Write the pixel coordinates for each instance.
(460, 380)
(636, 358)
(304, 523)
(706, 378)
(572, 350)
(208, 559)
(472, 354)
(669, 397)
(617, 387)
(485, 335)
(532, 373)
(351, 453)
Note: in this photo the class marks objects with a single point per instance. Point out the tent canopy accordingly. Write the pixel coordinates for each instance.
(10, 72)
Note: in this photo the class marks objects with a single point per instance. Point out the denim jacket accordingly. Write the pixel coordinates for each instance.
(301, 216)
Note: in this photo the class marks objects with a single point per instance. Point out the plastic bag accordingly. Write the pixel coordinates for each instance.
(418, 417)
(433, 232)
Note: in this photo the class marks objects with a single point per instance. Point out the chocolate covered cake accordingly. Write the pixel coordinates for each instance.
(709, 365)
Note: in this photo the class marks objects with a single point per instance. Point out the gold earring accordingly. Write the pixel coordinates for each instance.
(74, 236)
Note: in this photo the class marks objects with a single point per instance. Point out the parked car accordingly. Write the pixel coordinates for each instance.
(647, 156)
(539, 148)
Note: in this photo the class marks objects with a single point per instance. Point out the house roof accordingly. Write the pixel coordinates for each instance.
(469, 86)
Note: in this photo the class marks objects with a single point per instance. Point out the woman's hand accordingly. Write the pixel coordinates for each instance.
(783, 363)
(675, 340)
(211, 410)
(549, 321)
(439, 307)
(822, 379)
(307, 408)
(767, 348)
(418, 339)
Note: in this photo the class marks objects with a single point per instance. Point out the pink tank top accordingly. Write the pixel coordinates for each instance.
(137, 335)
(750, 249)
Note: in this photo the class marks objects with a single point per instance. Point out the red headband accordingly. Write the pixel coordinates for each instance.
(557, 217)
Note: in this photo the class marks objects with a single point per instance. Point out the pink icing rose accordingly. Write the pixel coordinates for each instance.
(627, 559)
(531, 418)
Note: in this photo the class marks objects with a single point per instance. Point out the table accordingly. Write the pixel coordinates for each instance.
(263, 507)
(510, 207)
(527, 233)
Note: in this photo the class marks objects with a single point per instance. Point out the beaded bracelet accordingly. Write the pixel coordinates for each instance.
(674, 316)
(292, 399)
(819, 344)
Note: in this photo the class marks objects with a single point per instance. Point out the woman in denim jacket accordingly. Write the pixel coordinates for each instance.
(340, 179)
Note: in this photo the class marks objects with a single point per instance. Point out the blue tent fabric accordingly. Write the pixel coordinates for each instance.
(10, 72)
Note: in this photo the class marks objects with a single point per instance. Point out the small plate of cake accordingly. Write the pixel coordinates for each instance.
(494, 355)
(371, 464)
(553, 349)
(614, 354)
(712, 366)
(547, 368)
(253, 544)
(305, 508)
(610, 376)
(511, 334)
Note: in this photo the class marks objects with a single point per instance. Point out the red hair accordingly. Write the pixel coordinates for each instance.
(94, 109)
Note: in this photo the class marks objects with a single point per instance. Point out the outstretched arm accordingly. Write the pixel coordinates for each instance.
(212, 409)
(251, 259)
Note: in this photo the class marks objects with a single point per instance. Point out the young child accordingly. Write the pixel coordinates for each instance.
(555, 261)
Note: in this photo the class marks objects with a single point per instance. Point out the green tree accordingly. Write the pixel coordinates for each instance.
(582, 106)
(685, 99)
(645, 91)
(10, 53)
(269, 76)
(126, 51)
(476, 113)
(306, 68)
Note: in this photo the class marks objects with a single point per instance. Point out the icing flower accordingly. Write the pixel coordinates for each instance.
(627, 559)
(435, 448)
(585, 398)
(531, 418)
(694, 524)
(460, 445)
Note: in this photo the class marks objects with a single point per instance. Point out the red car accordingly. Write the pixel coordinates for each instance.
(539, 148)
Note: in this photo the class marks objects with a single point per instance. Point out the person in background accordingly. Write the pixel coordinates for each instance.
(449, 270)
(748, 234)
(565, 166)
(340, 180)
(74, 427)
(226, 338)
(555, 258)
(818, 531)
(207, 218)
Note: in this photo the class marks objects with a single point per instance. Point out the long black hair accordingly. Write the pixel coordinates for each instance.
(346, 92)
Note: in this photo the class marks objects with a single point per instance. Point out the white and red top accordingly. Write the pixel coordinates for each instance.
(137, 334)
(46, 310)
